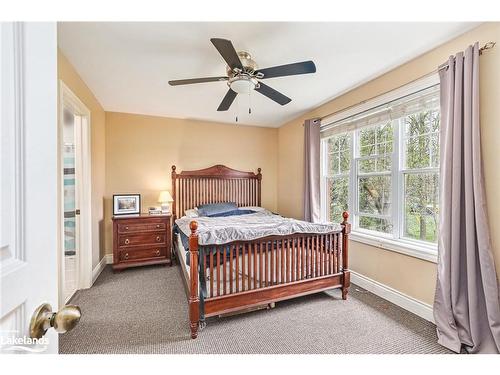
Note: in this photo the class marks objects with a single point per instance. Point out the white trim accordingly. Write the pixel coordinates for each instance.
(395, 94)
(98, 269)
(109, 258)
(402, 300)
(410, 248)
(106, 259)
(84, 252)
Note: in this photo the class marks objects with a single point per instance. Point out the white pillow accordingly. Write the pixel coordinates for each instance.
(253, 208)
(191, 213)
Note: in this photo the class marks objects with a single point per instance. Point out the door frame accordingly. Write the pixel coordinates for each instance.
(67, 99)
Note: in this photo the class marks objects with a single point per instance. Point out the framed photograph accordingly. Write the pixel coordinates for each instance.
(126, 204)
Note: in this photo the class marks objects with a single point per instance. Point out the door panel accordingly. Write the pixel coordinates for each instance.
(28, 167)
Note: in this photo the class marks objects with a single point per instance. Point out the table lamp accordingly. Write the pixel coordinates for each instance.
(165, 198)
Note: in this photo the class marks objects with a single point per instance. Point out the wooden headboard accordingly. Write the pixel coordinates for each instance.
(214, 185)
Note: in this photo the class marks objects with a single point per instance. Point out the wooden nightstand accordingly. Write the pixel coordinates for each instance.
(141, 240)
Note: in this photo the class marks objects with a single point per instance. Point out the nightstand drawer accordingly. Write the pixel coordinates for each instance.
(141, 227)
(141, 240)
(145, 239)
(133, 254)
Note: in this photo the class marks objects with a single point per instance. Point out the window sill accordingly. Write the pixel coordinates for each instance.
(423, 252)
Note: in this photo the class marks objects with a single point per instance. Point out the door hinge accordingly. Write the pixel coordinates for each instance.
(77, 211)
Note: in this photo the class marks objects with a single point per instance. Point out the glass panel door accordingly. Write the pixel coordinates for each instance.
(69, 203)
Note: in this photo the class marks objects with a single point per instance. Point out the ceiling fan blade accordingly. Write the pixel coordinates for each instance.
(303, 67)
(227, 51)
(272, 94)
(227, 101)
(196, 80)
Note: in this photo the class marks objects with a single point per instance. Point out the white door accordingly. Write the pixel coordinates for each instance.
(28, 167)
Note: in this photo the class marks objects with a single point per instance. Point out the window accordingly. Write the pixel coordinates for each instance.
(382, 165)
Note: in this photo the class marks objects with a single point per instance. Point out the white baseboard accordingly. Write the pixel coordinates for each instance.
(404, 301)
(107, 259)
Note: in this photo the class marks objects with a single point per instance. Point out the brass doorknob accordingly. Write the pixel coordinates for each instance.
(63, 321)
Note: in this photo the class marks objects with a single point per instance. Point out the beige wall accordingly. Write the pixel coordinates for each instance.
(70, 77)
(409, 275)
(140, 151)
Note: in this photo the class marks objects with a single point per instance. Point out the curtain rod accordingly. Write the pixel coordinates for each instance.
(485, 47)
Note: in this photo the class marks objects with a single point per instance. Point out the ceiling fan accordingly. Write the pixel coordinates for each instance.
(243, 75)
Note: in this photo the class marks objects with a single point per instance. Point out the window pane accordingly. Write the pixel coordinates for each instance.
(367, 142)
(338, 194)
(384, 139)
(375, 195)
(345, 161)
(376, 140)
(417, 152)
(435, 121)
(366, 165)
(422, 143)
(333, 164)
(381, 164)
(434, 150)
(421, 205)
(375, 224)
(339, 154)
(333, 145)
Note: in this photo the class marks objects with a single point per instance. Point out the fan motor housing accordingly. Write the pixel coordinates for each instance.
(249, 65)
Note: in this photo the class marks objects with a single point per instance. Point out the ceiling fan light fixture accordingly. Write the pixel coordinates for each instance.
(242, 84)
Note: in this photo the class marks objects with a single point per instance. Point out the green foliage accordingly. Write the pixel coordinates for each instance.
(339, 193)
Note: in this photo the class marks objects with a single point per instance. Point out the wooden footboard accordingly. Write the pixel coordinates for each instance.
(239, 275)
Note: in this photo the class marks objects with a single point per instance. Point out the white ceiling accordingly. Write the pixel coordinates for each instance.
(127, 65)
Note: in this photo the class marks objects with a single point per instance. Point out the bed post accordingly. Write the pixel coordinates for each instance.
(259, 181)
(174, 175)
(194, 299)
(346, 279)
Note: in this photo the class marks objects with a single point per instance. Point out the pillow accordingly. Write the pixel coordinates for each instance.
(216, 208)
(253, 208)
(233, 213)
(192, 213)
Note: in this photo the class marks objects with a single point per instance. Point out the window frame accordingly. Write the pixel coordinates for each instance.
(395, 240)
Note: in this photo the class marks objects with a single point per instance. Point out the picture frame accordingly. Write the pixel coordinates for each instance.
(126, 204)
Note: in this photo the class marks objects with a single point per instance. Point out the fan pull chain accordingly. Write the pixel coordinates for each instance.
(249, 103)
(237, 107)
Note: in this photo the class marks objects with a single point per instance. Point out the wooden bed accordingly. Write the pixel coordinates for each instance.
(269, 269)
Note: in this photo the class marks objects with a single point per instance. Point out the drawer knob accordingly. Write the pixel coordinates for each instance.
(158, 238)
(127, 241)
(157, 225)
(126, 256)
(157, 252)
(126, 228)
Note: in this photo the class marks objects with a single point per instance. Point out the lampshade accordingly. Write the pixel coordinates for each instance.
(165, 197)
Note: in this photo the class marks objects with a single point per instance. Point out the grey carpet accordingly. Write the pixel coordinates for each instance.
(144, 310)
